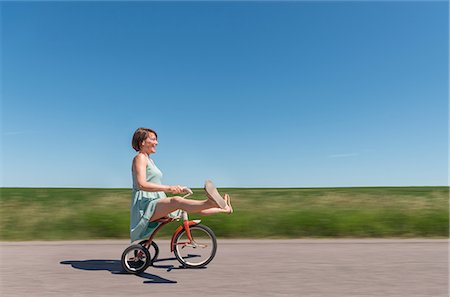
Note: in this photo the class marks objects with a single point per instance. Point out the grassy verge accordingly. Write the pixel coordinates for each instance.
(57, 214)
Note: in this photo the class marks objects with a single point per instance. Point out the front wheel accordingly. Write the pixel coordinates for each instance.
(200, 251)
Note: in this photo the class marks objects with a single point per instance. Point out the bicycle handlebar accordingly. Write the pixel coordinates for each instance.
(189, 192)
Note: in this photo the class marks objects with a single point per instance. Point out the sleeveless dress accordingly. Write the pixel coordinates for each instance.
(143, 205)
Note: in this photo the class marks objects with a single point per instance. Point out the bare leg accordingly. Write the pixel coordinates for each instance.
(214, 210)
(228, 209)
(168, 205)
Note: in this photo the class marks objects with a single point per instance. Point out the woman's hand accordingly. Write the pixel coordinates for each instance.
(177, 189)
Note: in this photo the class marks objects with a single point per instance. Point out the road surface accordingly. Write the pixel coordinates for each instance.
(311, 268)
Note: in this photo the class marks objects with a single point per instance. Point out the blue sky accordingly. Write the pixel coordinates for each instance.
(248, 94)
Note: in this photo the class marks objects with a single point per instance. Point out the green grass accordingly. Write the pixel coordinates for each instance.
(57, 214)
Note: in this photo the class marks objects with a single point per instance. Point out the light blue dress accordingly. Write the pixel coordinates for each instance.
(143, 205)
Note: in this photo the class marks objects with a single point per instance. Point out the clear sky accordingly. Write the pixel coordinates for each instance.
(248, 94)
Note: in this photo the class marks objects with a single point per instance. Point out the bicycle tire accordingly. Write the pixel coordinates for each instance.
(206, 242)
(135, 259)
(155, 253)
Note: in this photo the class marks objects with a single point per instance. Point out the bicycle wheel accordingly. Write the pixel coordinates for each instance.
(154, 250)
(135, 259)
(199, 252)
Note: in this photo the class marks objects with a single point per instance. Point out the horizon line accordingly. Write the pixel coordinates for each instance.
(228, 187)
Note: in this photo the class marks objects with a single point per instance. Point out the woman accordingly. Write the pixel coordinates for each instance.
(149, 202)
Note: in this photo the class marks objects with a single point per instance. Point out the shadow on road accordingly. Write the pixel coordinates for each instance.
(170, 267)
(115, 267)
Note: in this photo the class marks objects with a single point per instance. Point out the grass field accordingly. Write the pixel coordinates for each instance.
(61, 214)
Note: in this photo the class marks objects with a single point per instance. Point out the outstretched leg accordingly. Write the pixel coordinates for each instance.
(167, 205)
(228, 209)
(203, 207)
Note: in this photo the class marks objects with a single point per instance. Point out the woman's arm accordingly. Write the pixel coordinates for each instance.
(140, 167)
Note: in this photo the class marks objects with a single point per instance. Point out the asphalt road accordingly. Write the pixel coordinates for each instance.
(242, 267)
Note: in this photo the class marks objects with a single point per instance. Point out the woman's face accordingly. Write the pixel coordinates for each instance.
(149, 144)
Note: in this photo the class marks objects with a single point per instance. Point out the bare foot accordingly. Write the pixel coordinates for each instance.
(228, 201)
(213, 194)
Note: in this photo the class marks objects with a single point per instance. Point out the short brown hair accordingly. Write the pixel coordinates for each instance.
(139, 136)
